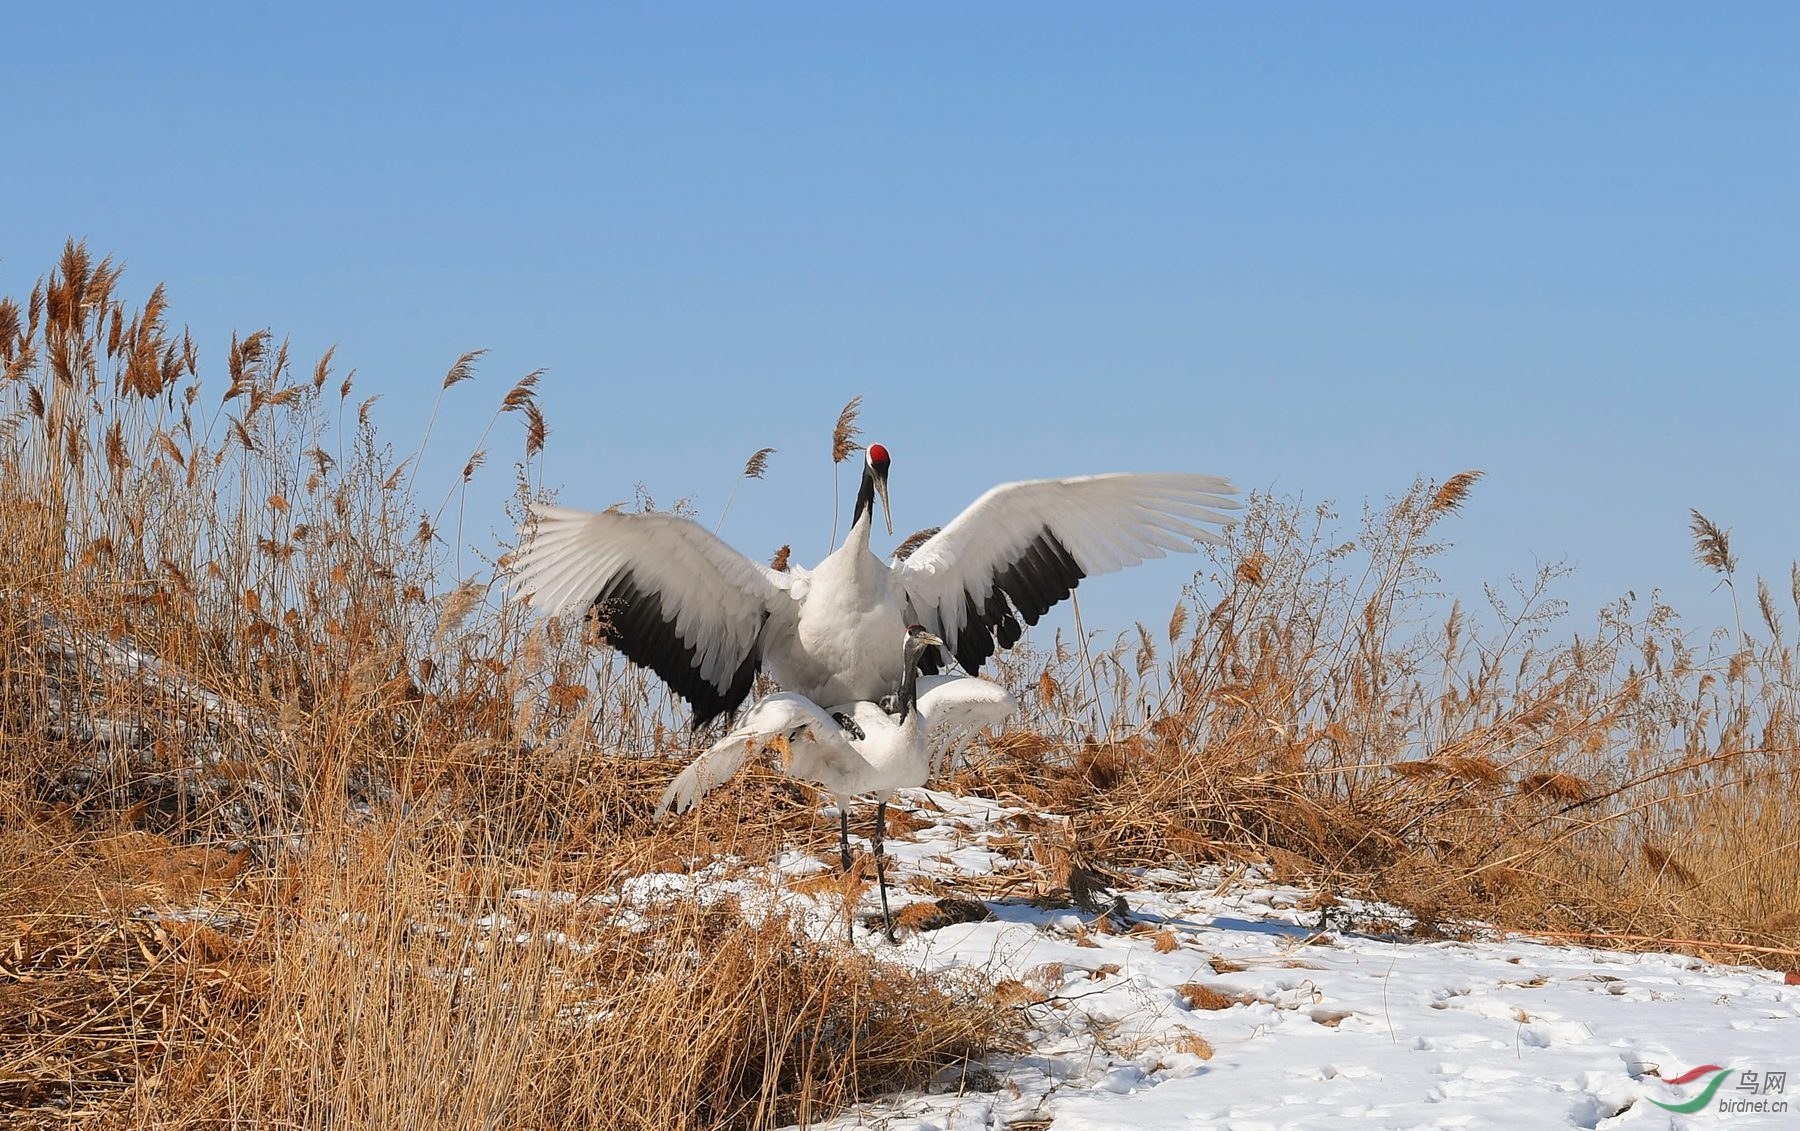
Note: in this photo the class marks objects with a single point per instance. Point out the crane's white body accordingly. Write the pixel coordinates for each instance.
(706, 618)
(846, 619)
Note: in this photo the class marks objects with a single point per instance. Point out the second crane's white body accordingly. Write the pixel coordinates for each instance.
(672, 597)
(853, 748)
(894, 753)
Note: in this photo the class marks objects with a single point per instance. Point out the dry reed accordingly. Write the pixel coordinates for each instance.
(280, 787)
(276, 781)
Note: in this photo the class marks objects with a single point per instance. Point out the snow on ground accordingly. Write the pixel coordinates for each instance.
(1313, 1028)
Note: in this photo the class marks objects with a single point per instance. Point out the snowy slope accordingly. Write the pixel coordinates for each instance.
(1312, 1028)
(1348, 1028)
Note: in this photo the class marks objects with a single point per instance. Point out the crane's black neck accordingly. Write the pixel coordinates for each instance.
(865, 497)
(908, 699)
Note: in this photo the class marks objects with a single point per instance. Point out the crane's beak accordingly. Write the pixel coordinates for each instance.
(929, 638)
(887, 512)
(782, 746)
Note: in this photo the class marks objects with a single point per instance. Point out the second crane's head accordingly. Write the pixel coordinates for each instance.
(919, 638)
(875, 479)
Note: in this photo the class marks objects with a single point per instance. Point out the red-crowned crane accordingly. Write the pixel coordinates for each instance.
(674, 598)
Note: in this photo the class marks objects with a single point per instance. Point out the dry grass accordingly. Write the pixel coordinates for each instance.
(277, 777)
(271, 782)
(1328, 715)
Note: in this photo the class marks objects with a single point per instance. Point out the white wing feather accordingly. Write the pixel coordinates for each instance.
(956, 708)
(716, 597)
(775, 715)
(1105, 522)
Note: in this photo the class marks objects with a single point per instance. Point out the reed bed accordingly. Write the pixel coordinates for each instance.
(276, 784)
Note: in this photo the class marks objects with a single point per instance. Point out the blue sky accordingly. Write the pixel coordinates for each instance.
(1319, 248)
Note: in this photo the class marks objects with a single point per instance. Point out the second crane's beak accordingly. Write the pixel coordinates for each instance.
(784, 744)
(887, 512)
(930, 638)
(779, 743)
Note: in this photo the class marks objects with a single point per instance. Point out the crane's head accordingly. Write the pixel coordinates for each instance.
(919, 638)
(878, 471)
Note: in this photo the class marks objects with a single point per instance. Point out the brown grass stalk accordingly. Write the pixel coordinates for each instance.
(278, 780)
(270, 768)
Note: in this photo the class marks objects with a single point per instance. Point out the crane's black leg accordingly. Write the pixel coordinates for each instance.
(844, 859)
(880, 873)
(844, 836)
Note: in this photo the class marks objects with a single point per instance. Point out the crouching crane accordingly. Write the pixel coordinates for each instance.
(853, 748)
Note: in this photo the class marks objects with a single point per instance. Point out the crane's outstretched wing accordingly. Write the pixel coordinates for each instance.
(1022, 547)
(665, 592)
(774, 717)
(956, 708)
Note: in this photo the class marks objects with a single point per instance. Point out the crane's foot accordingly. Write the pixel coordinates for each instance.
(849, 725)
